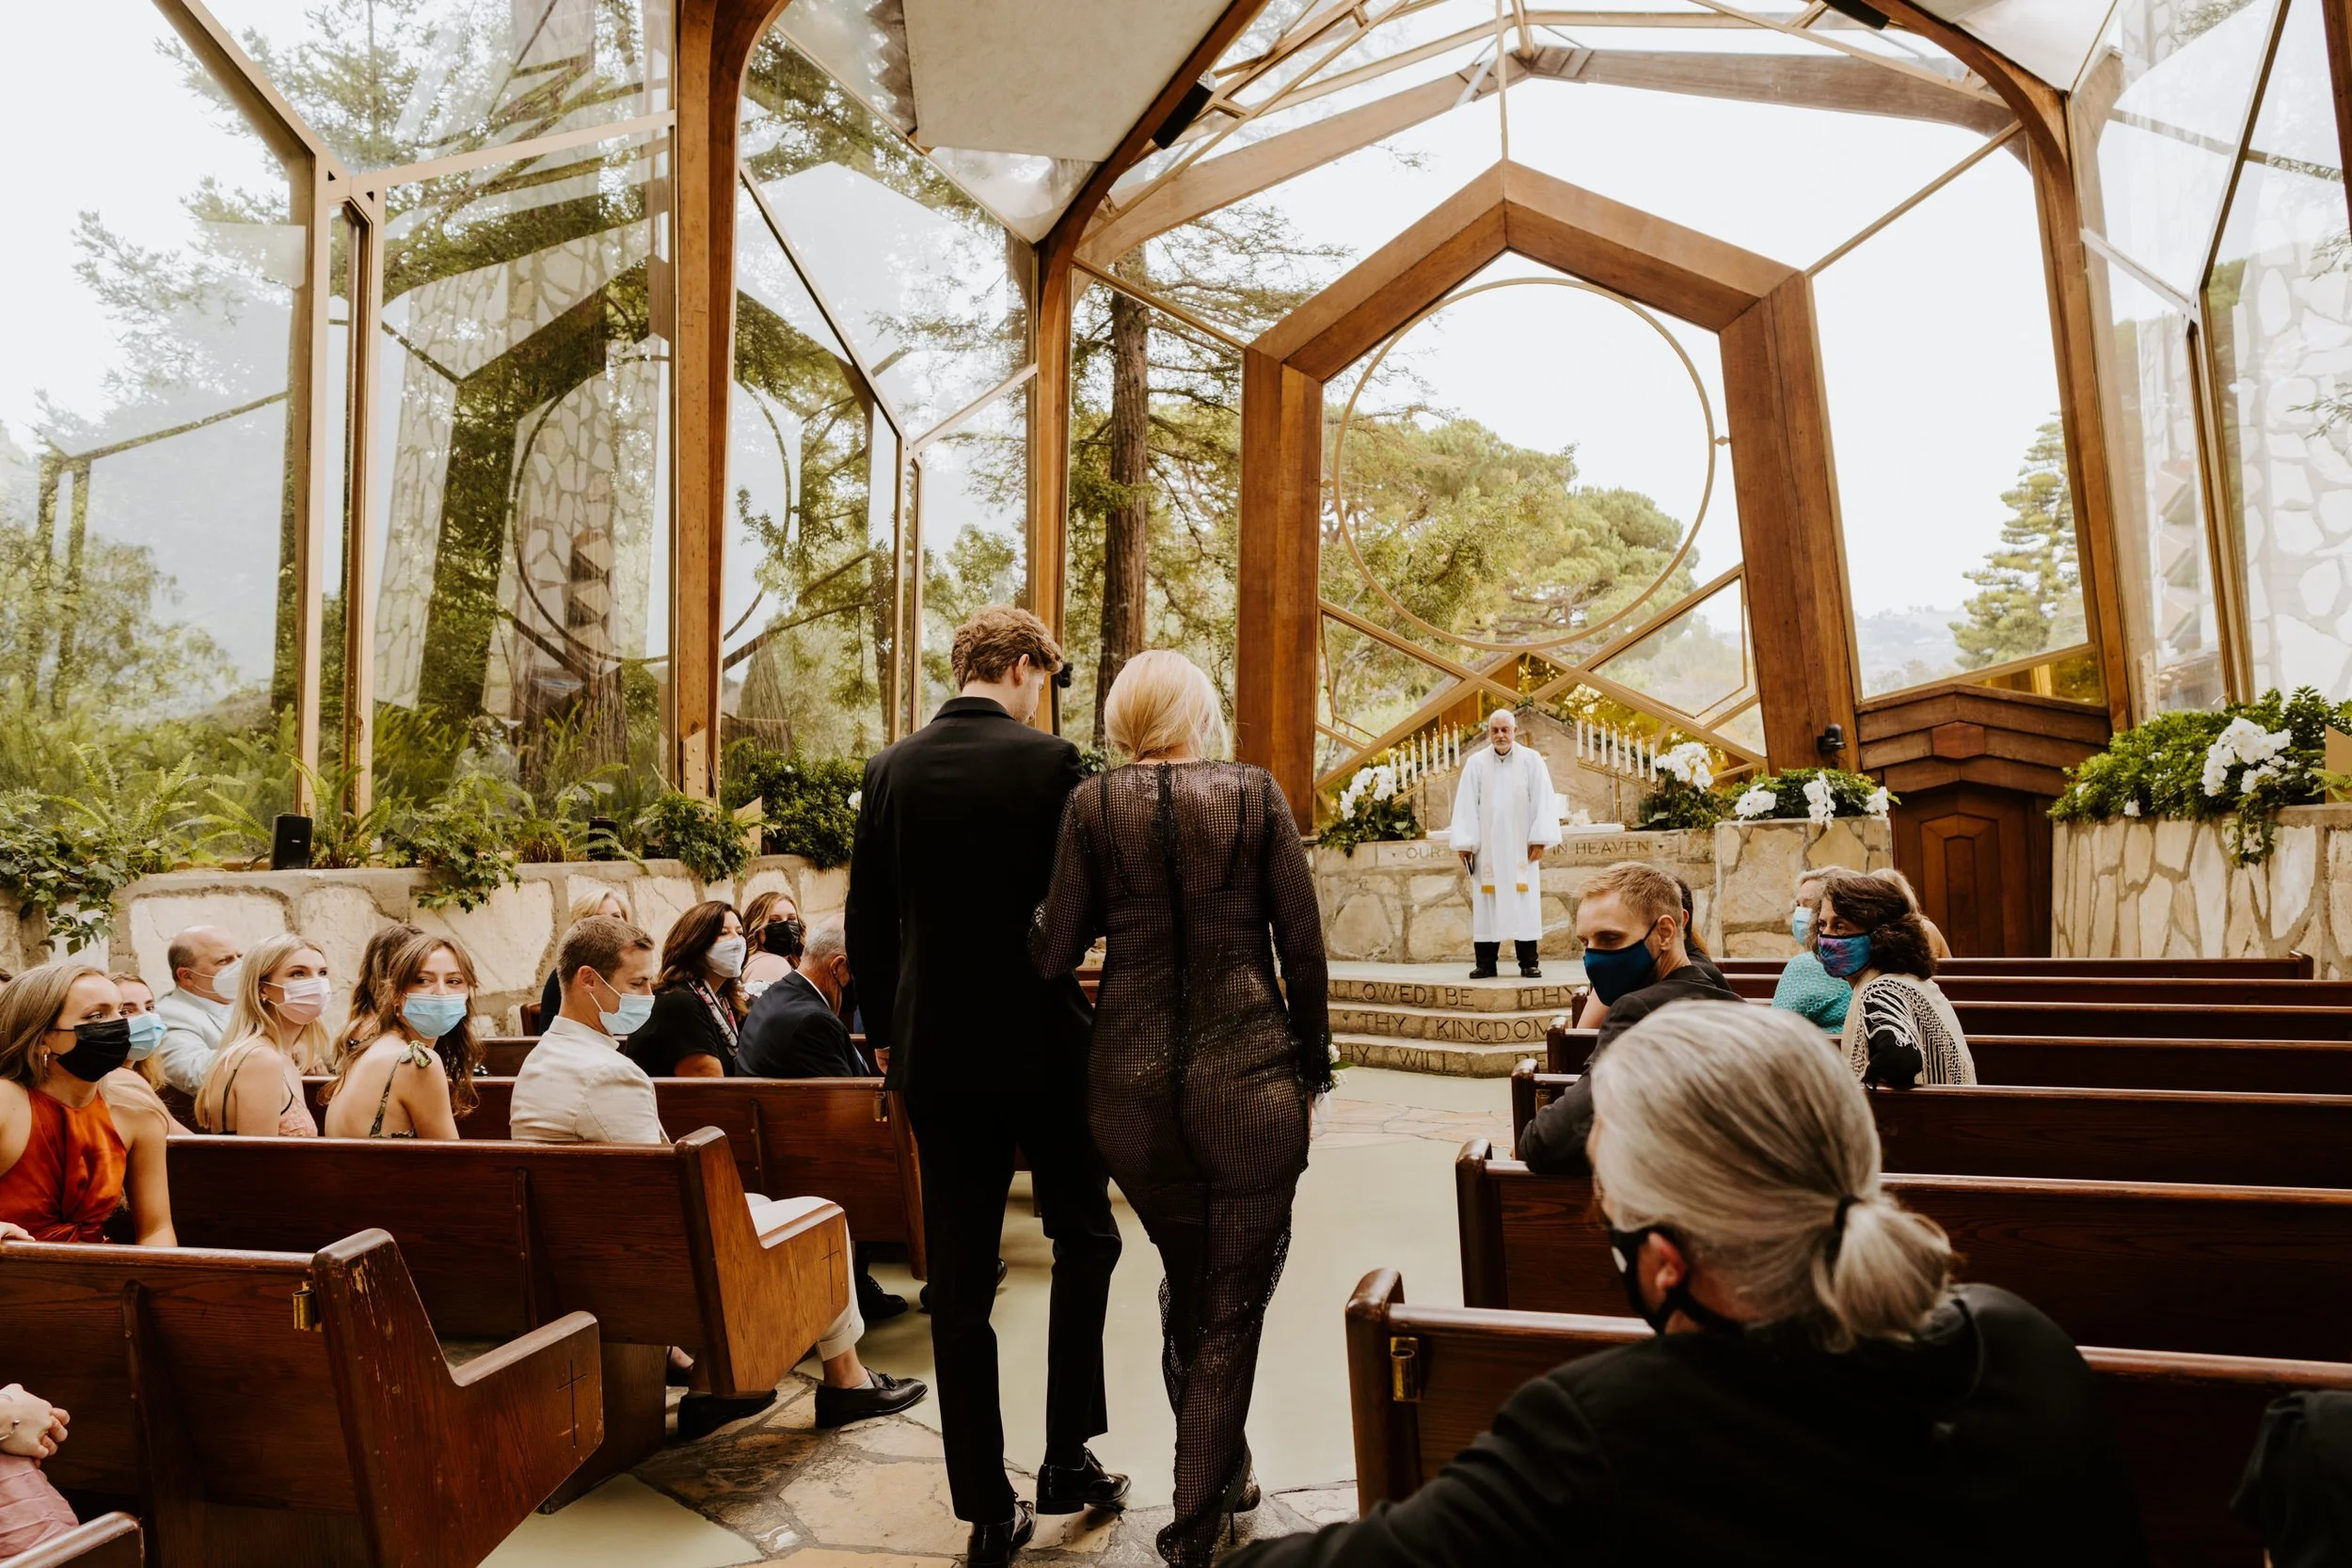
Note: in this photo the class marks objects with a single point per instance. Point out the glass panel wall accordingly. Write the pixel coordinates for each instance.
(971, 507)
(522, 598)
(2280, 304)
(1961, 548)
(150, 476)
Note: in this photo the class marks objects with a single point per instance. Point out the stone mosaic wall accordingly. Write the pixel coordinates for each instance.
(510, 938)
(1409, 902)
(2146, 889)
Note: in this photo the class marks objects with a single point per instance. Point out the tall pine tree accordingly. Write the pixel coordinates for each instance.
(2031, 598)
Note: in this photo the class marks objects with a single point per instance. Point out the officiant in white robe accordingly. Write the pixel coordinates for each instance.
(1504, 817)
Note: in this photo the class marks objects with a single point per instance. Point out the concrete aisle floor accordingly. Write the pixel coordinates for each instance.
(1378, 1193)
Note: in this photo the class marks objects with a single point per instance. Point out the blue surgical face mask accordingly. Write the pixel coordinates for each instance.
(1843, 957)
(630, 1008)
(1619, 971)
(147, 1033)
(1800, 921)
(431, 1016)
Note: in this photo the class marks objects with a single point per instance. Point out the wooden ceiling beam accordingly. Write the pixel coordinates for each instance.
(1640, 255)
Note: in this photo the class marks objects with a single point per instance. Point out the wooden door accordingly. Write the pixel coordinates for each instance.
(1980, 858)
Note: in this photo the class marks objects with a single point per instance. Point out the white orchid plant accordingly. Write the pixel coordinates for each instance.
(1372, 810)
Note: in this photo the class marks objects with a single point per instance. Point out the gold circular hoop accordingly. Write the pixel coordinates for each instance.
(1348, 416)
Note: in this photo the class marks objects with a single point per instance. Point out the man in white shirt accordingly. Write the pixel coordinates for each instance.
(203, 961)
(577, 1087)
(1503, 805)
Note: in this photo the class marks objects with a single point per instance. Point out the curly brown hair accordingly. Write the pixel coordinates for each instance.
(1873, 905)
(686, 951)
(994, 640)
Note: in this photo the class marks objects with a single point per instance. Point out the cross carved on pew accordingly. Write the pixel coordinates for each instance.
(833, 1252)
(576, 1375)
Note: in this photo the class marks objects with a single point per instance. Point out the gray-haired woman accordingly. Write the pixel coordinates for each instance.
(1819, 1391)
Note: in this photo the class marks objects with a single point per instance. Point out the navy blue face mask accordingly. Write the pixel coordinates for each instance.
(1620, 971)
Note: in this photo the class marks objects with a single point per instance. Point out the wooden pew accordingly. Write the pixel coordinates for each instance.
(2262, 1140)
(2166, 990)
(2128, 1020)
(502, 1055)
(109, 1541)
(2229, 1271)
(274, 1407)
(2292, 966)
(845, 1139)
(2226, 1066)
(656, 1241)
(2184, 1422)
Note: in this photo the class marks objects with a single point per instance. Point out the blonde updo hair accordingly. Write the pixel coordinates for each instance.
(1732, 1127)
(1162, 703)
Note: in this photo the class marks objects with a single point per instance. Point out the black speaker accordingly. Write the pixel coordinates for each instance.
(603, 834)
(1188, 109)
(290, 848)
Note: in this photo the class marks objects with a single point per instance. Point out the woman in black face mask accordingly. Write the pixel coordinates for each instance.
(772, 923)
(1817, 1392)
(65, 1166)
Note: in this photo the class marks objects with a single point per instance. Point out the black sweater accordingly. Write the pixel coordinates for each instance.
(1983, 1443)
(1554, 1141)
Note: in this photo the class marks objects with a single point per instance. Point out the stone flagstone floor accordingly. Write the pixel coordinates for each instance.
(1378, 1192)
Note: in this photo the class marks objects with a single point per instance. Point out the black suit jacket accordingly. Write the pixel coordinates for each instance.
(955, 846)
(793, 1033)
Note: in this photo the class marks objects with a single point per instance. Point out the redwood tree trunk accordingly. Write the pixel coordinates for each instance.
(1126, 530)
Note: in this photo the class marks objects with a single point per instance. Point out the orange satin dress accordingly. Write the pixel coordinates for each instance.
(69, 1181)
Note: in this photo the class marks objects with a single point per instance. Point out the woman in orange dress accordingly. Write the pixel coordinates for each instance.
(65, 1168)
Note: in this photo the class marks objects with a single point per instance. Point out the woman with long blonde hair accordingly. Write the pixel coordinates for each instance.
(273, 1036)
(407, 1064)
(1206, 1061)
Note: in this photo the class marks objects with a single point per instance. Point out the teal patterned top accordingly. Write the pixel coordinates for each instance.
(1812, 992)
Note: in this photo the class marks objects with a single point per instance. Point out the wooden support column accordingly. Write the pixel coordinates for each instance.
(1049, 448)
(1281, 598)
(714, 45)
(2337, 14)
(1798, 608)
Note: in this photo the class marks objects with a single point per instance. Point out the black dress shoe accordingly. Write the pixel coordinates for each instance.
(1530, 972)
(1068, 1488)
(993, 1546)
(876, 1305)
(1482, 974)
(700, 1414)
(882, 1395)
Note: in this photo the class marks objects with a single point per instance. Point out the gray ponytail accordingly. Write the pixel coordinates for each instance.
(1737, 1126)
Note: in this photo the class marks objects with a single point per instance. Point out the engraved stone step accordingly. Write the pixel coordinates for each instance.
(1435, 1027)
(1451, 1060)
(1362, 985)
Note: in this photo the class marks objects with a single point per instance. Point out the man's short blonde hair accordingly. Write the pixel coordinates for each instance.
(1162, 703)
(1649, 894)
(994, 640)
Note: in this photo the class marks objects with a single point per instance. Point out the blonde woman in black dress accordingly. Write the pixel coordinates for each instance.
(1203, 1068)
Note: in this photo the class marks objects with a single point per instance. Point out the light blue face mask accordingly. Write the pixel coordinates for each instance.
(1800, 921)
(147, 1033)
(630, 1009)
(431, 1016)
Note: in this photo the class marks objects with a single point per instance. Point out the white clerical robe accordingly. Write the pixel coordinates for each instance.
(1503, 805)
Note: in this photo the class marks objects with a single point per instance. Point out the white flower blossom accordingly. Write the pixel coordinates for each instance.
(1879, 802)
(1759, 800)
(857, 798)
(1688, 763)
(1822, 806)
(1383, 782)
(2131, 807)
(2243, 743)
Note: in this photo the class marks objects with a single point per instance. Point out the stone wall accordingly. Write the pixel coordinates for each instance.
(1409, 902)
(510, 938)
(2168, 889)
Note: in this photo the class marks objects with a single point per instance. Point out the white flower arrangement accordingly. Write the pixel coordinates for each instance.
(2247, 745)
(1820, 804)
(1383, 782)
(1759, 800)
(1358, 787)
(1879, 804)
(2131, 807)
(1688, 762)
(857, 798)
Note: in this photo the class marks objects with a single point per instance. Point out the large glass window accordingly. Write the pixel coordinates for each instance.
(2280, 304)
(150, 478)
(1961, 551)
(522, 601)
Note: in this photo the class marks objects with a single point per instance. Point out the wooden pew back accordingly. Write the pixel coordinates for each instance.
(2211, 994)
(2229, 1271)
(109, 1541)
(2184, 1422)
(844, 1139)
(280, 1407)
(2133, 1020)
(2227, 1066)
(656, 1241)
(2265, 1140)
(2291, 966)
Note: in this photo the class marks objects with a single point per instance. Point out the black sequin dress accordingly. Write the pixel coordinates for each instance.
(1203, 1067)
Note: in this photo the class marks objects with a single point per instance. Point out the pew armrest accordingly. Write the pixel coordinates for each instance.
(766, 1297)
(109, 1541)
(447, 1462)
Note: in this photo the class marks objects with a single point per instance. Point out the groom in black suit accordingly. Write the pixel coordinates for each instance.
(955, 846)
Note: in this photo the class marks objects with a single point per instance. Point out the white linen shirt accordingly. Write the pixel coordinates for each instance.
(576, 1087)
(192, 1029)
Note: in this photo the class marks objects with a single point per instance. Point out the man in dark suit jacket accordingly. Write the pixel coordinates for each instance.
(955, 846)
(795, 1028)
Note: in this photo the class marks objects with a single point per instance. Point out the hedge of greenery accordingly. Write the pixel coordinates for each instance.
(2242, 763)
(1688, 797)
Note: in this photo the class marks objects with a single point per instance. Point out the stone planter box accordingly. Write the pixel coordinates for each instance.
(1409, 903)
(510, 938)
(2133, 889)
